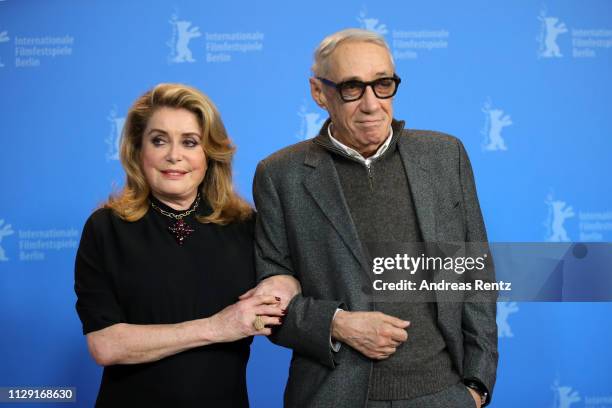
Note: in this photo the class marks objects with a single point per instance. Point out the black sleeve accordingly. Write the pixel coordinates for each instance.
(96, 304)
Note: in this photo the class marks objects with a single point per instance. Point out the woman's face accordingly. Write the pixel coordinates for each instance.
(173, 161)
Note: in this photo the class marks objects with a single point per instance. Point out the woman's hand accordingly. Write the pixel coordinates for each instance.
(124, 343)
(284, 287)
(237, 320)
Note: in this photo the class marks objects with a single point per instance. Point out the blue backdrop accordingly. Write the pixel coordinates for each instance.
(525, 84)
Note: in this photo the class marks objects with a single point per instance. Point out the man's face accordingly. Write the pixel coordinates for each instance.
(362, 124)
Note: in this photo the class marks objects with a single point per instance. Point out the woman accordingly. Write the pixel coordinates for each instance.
(161, 266)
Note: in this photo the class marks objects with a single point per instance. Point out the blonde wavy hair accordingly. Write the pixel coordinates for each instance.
(131, 203)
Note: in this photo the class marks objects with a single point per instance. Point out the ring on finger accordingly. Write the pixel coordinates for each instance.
(258, 323)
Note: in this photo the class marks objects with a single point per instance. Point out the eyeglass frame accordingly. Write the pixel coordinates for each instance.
(338, 86)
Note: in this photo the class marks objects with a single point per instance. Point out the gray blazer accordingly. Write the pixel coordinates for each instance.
(304, 229)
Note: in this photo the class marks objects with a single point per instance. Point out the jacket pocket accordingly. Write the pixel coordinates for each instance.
(450, 222)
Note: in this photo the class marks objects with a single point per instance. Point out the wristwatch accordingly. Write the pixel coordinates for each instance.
(479, 388)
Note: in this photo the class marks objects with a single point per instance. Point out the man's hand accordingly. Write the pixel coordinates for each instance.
(284, 287)
(374, 334)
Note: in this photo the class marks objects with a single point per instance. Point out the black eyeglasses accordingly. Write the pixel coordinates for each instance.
(352, 90)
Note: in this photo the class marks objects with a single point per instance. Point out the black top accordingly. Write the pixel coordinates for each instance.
(135, 272)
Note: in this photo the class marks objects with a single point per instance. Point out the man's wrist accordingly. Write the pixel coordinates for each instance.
(336, 325)
(334, 343)
(479, 387)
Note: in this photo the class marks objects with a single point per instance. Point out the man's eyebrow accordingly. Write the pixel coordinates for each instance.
(383, 73)
(379, 74)
(351, 78)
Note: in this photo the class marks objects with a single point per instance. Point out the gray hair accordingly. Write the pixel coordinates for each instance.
(332, 41)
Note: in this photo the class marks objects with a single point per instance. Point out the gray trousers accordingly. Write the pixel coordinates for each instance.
(455, 396)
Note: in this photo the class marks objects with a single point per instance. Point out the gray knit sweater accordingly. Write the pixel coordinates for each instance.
(382, 209)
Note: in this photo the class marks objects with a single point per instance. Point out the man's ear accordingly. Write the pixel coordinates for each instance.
(316, 90)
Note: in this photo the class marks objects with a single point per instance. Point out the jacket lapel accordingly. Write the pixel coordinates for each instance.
(323, 184)
(421, 188)
(423, 194)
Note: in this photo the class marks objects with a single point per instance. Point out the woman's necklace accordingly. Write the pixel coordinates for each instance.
(180, 229)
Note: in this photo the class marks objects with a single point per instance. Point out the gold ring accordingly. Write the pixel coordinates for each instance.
(258, 323)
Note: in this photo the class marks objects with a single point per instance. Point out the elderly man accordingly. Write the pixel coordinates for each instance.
(365, 178)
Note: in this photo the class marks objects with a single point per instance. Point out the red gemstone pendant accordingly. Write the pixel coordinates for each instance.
(180, 230)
